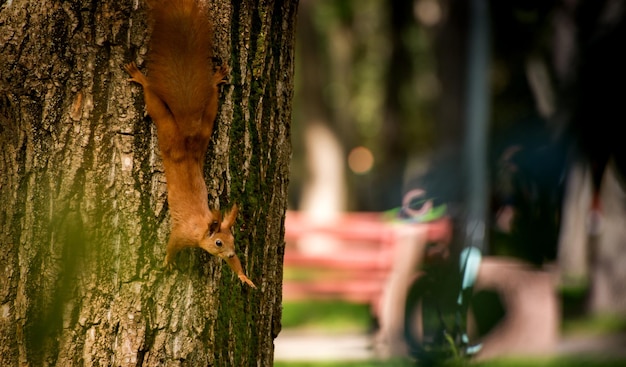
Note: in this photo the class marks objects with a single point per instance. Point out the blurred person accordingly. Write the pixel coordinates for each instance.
(530, 171)
(420, 299)
(424, 231)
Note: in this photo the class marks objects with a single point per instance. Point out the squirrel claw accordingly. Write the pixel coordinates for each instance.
(244, 279)
(168, 265)
(130, 68)
(135, 75)
(221, 75)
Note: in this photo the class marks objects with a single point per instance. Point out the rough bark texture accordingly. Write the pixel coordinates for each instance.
(83, 219)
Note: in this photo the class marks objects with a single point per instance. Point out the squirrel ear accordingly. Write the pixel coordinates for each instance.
(229, 218)
(214, 226)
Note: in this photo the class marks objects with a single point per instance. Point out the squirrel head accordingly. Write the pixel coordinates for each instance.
(219, 240)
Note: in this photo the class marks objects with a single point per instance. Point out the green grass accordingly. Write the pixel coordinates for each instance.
(594, 325)
(331, 316)
(555, 362)
(337, 315)
(301, 274)
(334, 316)
(396, 363)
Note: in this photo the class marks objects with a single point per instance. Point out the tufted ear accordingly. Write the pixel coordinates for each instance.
(214, 226)
(229, 218)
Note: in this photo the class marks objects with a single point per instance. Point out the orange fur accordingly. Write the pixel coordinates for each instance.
(181, 96)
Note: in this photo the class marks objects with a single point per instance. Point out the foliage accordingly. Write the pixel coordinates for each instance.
(369, 76)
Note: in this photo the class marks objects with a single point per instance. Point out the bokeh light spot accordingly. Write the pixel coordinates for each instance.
(360, 160)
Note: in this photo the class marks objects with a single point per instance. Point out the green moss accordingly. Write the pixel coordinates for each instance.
(253, 183)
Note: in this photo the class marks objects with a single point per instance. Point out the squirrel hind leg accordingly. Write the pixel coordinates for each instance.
(168, 264)
(173, 247)
(221, 75)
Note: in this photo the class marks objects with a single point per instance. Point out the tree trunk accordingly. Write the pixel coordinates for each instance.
(608, 250)
(84, 219)
(323, 192)
(451, 52)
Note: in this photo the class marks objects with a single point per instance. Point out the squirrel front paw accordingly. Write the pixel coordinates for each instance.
(244, 279)
(135, 75)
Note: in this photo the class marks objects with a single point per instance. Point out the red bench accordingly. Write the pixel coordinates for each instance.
(355, 269)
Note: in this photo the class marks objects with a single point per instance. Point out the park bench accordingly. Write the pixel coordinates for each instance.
(353, 267)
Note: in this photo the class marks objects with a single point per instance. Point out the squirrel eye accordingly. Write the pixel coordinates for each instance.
(218, 243)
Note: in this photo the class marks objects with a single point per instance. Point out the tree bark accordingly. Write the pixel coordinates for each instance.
(84, 219)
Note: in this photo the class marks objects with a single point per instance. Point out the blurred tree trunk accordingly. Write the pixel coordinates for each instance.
(608, 251)
(451, 53)
(573, 257)
(83, 219)
(588, 34)
(394, 148)
(323, 195)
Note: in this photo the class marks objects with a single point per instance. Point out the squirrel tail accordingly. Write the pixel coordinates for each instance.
(179, 64)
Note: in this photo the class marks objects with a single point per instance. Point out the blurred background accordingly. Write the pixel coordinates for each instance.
(382, 87)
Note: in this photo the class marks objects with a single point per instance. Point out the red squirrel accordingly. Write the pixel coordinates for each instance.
(181, 96)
